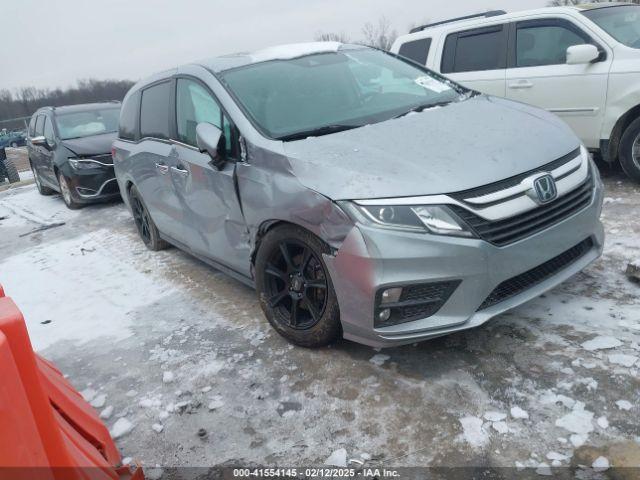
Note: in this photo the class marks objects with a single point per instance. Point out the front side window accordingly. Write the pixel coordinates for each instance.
(39, 125)
(622, 23)
(327, 92)
(48, 131)
(475, 50)
(32, 126)
(194, 105)
(538, 45)
(154, 111)
(87, 123)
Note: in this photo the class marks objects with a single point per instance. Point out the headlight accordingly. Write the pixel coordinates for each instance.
(84, 163)
(437, 219)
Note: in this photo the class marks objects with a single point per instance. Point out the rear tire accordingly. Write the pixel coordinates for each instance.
(65, 191)
(294, 287)
(144, 223)
(12, 171)
(629, 152)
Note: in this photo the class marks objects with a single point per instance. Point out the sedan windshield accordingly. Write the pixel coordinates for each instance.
(85, 124)
(622, 23)
(329, 92)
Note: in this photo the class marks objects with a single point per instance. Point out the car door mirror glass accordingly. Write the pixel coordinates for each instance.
(580, 54)
(209, 139)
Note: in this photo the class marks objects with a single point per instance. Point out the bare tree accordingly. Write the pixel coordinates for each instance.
(379, 35)
(26, 100)
(332, 37)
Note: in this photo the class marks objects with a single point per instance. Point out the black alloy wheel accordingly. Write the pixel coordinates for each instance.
(296, 293)
(296, 284)
(144, 223)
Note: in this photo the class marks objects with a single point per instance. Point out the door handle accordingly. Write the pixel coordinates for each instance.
(181, 170)
(162, 168)
(521, 84)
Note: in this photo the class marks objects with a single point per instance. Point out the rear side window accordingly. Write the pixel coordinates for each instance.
(32, 127)
(545, 43)
(128, 125)
(416, 50)
(40, 125)
(154, 111)
(475, 50)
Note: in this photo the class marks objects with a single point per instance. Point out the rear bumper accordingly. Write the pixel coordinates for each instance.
(371, 259)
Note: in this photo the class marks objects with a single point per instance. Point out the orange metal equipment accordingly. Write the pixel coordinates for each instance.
(47, 430)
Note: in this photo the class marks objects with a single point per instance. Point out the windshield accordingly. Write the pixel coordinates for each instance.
(85, 124)
(622, 23)
(328, 92)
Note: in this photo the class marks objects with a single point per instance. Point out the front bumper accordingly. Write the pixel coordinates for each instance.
(92, 185)
(371, 259)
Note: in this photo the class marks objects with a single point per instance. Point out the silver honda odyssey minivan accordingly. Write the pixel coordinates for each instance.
(362, 195)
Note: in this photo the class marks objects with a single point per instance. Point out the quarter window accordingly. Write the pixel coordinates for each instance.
(154, 111)
(416, 50)
(475, 50)
(194, 105)
(544, 44)
(128, 125)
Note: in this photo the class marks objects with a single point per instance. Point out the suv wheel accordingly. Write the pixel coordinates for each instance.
(144, 223)
(65, 190)
(294, 287)
(41, 188)
(630, 150)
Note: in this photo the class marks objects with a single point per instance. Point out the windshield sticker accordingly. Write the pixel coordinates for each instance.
(432, 84)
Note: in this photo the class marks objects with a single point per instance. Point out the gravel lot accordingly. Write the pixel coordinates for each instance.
(182, 365)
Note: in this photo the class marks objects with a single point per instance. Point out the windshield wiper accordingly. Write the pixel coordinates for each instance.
(317, 132)
(421, 108)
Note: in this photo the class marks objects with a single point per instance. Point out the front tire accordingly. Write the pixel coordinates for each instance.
(42, 190)
(629, 152)
(144, 223)
(67, 196)
(294, 288)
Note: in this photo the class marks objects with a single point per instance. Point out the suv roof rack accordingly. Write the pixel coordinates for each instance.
(492, 13)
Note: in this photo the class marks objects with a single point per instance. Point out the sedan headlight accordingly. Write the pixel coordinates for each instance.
(84, 163)
(436, 219)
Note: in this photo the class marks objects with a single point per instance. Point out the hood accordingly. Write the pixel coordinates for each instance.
(441, 150)
(93, 145)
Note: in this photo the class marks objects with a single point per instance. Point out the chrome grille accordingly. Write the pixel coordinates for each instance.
(505, 231)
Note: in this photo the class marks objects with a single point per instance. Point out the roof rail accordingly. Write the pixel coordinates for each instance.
(492, 13)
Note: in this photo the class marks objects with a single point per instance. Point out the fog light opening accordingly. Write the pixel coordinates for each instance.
(384, 315)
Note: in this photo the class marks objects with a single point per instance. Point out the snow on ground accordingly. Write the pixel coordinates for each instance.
(181, 364)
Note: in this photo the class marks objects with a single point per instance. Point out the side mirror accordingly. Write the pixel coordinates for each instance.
(209, 139)
(39, 141)
(580, 54)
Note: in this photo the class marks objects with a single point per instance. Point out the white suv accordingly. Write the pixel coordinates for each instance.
(582, 63)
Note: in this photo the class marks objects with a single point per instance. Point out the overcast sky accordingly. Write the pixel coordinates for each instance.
(52, 43)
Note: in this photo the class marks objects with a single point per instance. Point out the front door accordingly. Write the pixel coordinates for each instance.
(47, 152)
(215, 224)
(539, 75)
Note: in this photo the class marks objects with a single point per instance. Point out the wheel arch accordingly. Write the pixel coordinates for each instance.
(610, 153)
